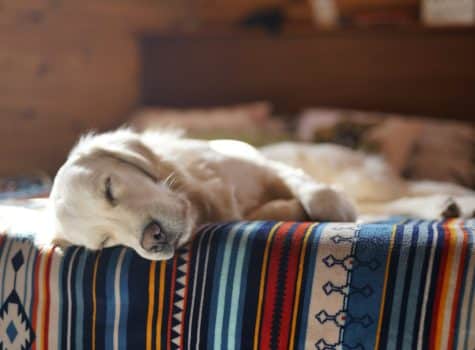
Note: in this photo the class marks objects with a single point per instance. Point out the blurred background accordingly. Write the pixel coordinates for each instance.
(394, 77)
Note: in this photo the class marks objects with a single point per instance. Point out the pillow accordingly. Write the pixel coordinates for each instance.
(251, 122)
(416, 147)
(22, 187)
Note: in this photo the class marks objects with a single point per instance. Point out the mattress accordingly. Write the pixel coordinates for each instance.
(400, 284)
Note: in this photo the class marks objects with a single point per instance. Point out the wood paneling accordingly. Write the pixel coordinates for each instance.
(67, 67)
(412, 71)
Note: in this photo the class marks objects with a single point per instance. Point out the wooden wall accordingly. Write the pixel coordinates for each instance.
(65, 67)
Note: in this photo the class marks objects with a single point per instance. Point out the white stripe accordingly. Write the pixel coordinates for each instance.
(54, 305)
(117, 298)
(337, 274)
(28, 278)
(71, 263)
(427, 286)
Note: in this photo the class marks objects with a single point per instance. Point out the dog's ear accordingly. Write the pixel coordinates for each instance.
(127, 146)
(123, 145)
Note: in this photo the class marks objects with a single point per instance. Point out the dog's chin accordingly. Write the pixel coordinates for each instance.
(166, 253)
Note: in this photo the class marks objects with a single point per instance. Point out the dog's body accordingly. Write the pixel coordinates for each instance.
(150, 191)
(373, 185)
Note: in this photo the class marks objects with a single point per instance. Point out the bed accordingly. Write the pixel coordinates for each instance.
(392, 284)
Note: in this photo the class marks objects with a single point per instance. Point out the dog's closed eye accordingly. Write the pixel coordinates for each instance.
(104, 242)
(108, 192)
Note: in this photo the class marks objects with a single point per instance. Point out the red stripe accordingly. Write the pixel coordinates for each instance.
(271, 284)
(172, 300)
(292, 270)
(47, 299)
(438, 286)
(458, 285)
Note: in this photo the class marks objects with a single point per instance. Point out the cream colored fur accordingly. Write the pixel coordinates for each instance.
(115, 184)
(371, 183)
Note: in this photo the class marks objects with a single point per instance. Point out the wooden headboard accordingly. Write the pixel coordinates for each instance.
(413, 71)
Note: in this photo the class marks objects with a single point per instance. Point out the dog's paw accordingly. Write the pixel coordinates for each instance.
(328, 204)
(450, 209)
(466, 205)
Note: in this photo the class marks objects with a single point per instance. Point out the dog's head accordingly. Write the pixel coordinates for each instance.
(114, 190)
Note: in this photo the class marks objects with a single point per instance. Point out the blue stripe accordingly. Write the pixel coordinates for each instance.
(401, 272)
(110, 299)
(230, 288)
(237, 298)
(124, 300)
(367, 306)
(79, 299)
(412, 289)
(244, 280)
(471, 303)
(419, 302)
(219, 283)
(307, 282)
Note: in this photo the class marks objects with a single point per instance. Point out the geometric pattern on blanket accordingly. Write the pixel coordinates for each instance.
(249, 285)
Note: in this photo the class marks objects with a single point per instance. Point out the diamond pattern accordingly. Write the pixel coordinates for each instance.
(18, 260)
(11, 332)
(14, 320)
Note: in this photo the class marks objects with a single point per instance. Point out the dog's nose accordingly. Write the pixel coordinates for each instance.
(153, 238)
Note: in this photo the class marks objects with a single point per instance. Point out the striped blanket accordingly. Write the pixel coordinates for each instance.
(249, 285)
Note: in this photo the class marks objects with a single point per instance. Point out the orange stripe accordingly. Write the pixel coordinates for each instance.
(440, 317)
(458, 285)
(94, 305)
(46, 291)
(261, 285)
(151, 297)
(383, 294)
(299, 285)
(438, 289)
(161, 299)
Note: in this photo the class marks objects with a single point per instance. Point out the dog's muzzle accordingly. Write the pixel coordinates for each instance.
(153, 238)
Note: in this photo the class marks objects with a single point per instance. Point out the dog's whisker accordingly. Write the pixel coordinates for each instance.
(169, 180)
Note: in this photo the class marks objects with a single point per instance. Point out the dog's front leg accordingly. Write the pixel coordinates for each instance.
(279, 209)
(321, 202)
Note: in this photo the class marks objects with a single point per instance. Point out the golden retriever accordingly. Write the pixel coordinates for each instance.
(150, 191)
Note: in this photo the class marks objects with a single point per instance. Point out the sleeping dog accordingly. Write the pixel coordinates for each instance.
(150, 191)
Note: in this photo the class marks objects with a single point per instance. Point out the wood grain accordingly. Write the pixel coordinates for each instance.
(67, 67)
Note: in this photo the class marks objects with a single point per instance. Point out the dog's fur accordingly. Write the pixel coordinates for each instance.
(373, 185)
(114, 185)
